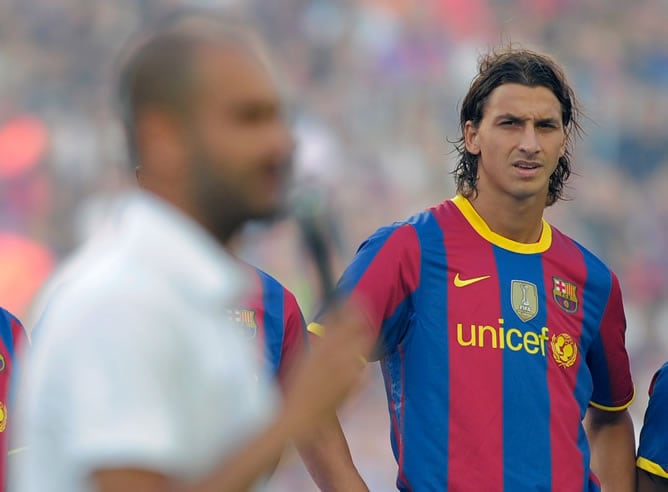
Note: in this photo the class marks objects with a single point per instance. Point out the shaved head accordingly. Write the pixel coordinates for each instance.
(205, 122)
(158, 68)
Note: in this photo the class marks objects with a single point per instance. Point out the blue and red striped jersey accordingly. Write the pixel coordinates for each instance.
(653, 448)
(272, 316)
(12, 338)
(491, 350)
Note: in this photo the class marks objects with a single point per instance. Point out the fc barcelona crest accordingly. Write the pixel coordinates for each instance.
(565, 294)
(245, 318)
(524, 298)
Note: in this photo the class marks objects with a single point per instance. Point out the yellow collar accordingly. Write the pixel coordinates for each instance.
(483, 229)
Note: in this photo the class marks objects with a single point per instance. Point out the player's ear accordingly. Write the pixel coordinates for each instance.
(471, 138)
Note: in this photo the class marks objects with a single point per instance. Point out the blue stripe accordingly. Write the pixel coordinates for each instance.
(6, 332)
(391, 368)
(526, 400)
(274, 325)
(595, 298)
(426, 366)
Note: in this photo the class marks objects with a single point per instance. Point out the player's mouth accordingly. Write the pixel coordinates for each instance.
(527, 168)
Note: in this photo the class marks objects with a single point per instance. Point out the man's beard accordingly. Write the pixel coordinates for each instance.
(222, 204)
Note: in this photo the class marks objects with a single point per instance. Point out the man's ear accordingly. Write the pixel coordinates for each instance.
(471, 138)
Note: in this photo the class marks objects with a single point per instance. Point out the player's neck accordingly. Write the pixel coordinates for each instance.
(520, 221)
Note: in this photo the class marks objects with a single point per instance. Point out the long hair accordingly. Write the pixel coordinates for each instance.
(525, 67)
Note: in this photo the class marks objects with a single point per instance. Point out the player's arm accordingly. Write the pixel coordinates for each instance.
(339, 472)
(612, 444)
(607, 422)
(382, 277)
(306, 401)
(648, 482)
(327, 458)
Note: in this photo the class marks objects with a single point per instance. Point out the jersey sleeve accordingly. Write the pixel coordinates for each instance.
(653, 448)
(294, 334)
(381, 279)
(608, 360)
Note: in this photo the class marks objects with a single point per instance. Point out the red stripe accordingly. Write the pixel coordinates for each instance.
(294, 342)
(400, 249)
(567, 460)
(475, 445)
(612, 338)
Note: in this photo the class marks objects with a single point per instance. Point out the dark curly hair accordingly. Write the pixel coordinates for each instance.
(516, 66)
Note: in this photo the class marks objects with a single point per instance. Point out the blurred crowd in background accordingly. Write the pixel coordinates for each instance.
(374, 87)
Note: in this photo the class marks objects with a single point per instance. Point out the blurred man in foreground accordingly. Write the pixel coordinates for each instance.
(498, 334)
(652, 459)
(135, 381)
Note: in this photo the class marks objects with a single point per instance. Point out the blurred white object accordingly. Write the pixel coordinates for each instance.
(134, 363)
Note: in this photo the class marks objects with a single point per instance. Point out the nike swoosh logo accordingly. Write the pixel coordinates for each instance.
(463, 283)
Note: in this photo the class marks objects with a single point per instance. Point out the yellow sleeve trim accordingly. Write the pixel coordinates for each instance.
(316, 329)
(14, 451)
(615, 409)
(651, 467)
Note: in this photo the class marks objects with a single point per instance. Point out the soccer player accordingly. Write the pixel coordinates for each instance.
(652, 459)
(137, 380)
(12, 338)
(498, 335)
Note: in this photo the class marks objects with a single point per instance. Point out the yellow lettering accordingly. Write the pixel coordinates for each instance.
(543, 339)
(460, 337)
(481, 335)
(509, 342)
(502, 341)
(531, 342)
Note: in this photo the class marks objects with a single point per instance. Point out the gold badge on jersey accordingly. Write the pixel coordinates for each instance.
(524, 299)
(3, 417)
(2, 363)
(564, 349)
(565, 294)
(245, 318)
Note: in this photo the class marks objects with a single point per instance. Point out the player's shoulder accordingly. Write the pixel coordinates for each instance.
(596, 267)
(659, 382)
(272, 288)
(409, 229)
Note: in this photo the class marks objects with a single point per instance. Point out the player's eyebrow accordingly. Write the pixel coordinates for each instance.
(517, 119)
(509, 117)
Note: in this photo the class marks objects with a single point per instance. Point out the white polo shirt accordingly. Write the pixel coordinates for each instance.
(134, 362)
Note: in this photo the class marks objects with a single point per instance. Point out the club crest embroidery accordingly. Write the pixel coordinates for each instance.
(564, 349)
(565, 294)
(524, 298)
(245, 318)
(2, 363)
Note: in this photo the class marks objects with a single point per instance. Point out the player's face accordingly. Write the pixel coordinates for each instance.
(518, 142)
(239, 144)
